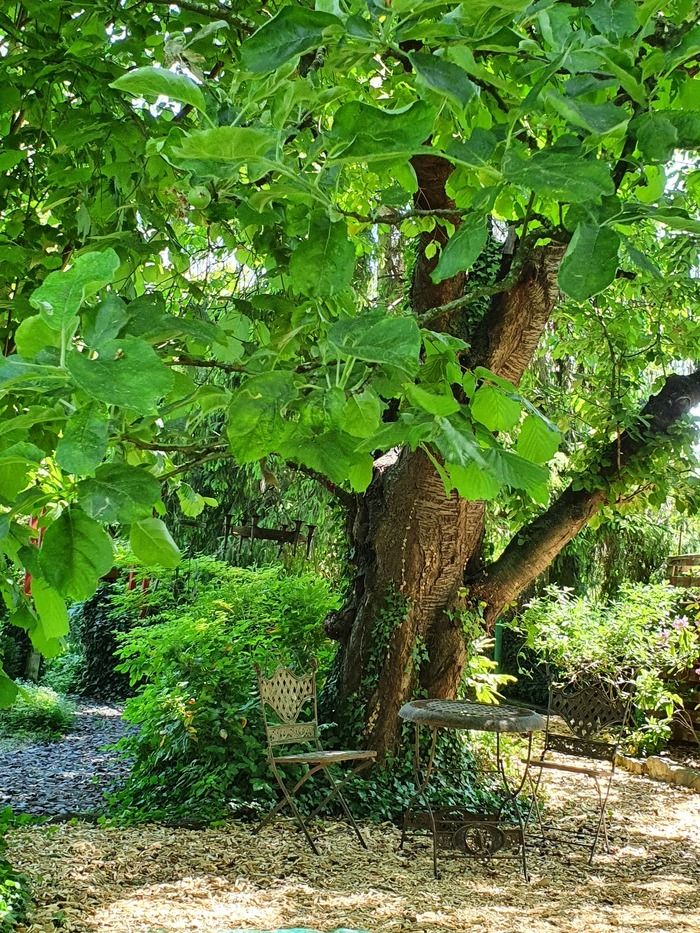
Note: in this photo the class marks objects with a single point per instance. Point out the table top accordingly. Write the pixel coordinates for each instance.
(463, 714)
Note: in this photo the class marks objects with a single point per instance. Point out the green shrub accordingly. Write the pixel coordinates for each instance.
(14, 894)
(37, 713)
(650, 633)
(200, 746)
(63, 673)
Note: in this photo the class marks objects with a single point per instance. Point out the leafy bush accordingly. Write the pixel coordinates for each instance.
(200, 746)
(64, 673)
(38, 713)
(95, 626)
(650, 633)
(14, 895)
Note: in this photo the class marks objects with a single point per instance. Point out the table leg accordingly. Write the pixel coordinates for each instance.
(513, 793)
(422, 778)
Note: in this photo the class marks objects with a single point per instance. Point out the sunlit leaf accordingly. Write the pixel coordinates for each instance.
(151, 83)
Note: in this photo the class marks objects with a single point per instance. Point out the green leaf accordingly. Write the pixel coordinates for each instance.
(335, 455)
(616, 17)
(564, 176)
(228, 144)
(256, 426)
(84, 443)
(292, 32)
(76, 552)
(378, 338)
(34, 335)
(151, 83)
(513, 470)
(538, 439)
(127, 372)
(477, 151)
(656, 137)
(445, 78)
(152, 544)
(457, 443)
(441, 404)
(51, 609)
(597, 118)
(462, 249)
(104, 323)
(191, 502)
(119, 493)
(59, 297)
(494, 409)
(324, 263)
(370, 134)
(17, 462)
(361, 414)
(590, 262)
(8, 690)
(473, 482)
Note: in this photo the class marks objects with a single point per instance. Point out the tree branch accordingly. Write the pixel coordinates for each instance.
(213, 11)
(534, 547)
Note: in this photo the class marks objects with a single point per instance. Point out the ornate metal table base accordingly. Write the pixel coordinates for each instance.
(476, 835)
(482, 836)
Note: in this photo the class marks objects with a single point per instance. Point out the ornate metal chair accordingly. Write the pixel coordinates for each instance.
(586, 719)
(283, 697)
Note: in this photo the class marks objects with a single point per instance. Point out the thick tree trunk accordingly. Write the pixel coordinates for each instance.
(411, 544)
(411, 541)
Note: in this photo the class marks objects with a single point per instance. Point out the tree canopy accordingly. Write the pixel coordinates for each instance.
(196, 199)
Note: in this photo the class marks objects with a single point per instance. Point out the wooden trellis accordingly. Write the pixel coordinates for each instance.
(683, 570)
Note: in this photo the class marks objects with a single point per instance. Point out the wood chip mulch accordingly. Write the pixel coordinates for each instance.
(154, 879)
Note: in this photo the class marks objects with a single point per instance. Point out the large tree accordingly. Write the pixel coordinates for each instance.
(201, 202)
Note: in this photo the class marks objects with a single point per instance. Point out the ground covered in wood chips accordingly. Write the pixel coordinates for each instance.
(160, 880)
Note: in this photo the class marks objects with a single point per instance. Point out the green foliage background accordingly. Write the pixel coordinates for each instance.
(200, 748)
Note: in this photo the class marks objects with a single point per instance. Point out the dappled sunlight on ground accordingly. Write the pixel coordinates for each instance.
(158, 880)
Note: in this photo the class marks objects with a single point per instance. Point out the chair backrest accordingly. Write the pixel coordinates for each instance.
(596, 712)
(286, 694)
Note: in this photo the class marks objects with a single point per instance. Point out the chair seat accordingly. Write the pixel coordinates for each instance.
(572, 769)
(323, 757)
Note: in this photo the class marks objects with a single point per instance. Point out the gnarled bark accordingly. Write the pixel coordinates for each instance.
(412, 541)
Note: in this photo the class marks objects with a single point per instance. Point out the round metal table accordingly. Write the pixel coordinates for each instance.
(473, 834)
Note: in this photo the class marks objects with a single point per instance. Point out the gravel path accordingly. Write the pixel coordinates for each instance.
(66, 778)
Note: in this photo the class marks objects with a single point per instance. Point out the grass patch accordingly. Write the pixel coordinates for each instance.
(38, 713)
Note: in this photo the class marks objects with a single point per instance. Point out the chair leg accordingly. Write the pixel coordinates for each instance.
(336, 792)
(288, 801)
(602, 819)
(281, 804)
(535, 805)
